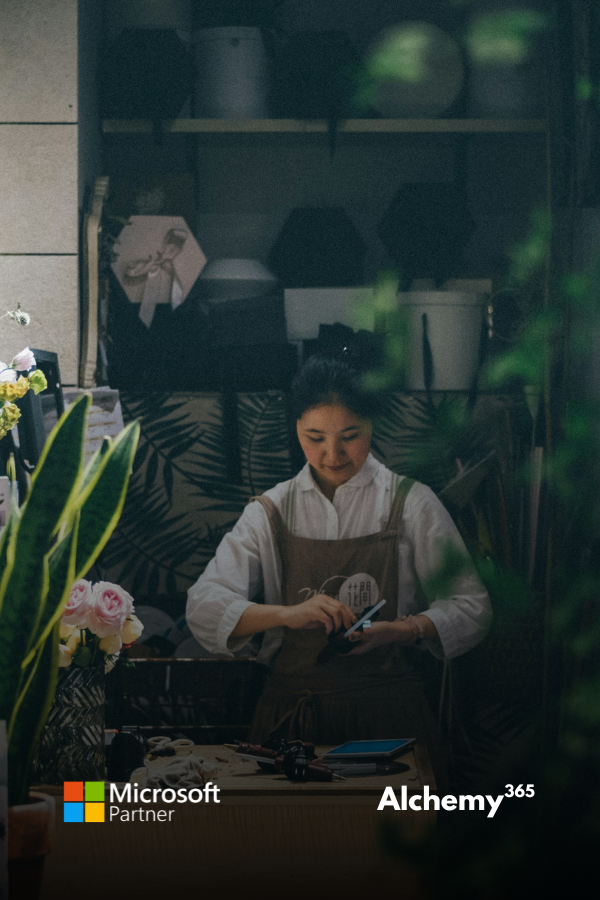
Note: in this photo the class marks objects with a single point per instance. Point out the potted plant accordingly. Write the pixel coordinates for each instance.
(49, 543)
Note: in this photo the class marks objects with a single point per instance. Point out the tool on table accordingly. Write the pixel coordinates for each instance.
(295, 759)
(164, 746)
(339, 643)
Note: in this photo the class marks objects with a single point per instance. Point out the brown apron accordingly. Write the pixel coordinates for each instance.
(364, 697)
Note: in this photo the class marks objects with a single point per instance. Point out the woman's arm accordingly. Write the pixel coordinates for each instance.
(219, 610)
(320, 611)
(434, 561)
(407, 630)
(227, 585)
(458, 604)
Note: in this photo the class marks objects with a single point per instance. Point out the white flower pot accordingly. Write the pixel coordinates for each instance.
(453, 322)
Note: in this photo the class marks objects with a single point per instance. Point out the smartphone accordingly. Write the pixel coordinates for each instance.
(370, 613)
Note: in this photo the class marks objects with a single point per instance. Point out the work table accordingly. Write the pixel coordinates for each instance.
(264, 825)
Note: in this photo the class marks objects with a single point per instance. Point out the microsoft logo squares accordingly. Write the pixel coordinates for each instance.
(84, 801)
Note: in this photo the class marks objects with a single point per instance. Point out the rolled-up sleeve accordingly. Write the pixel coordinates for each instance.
(458, 603)
(226, 587)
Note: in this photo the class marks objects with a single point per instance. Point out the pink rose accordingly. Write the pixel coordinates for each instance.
(76, 610)
(108, 610)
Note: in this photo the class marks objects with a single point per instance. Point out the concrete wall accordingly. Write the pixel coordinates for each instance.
(40, 152)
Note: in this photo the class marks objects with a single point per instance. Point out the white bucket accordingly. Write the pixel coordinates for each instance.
(453, 322)
(233, 77)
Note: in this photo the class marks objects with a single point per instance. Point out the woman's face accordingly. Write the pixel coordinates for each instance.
(335, 442)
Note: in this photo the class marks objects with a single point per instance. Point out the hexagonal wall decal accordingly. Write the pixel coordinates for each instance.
(157, 260)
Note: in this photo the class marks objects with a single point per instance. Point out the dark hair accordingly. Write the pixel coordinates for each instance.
(331, 380)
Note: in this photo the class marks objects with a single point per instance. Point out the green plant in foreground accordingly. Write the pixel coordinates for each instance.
(49, 543)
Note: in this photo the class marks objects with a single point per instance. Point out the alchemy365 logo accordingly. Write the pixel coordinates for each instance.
(84, 801)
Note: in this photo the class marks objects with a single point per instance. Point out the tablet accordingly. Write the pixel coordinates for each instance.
(370, 749)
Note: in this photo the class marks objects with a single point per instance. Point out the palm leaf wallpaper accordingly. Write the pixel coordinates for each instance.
(181, 499)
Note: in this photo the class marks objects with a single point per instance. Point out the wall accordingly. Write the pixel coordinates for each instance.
(39, 164)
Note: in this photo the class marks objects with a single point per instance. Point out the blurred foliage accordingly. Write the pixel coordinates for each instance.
(504, 37)
(402, 54)
(530, 845)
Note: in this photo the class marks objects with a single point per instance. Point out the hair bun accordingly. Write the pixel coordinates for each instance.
(361, 350)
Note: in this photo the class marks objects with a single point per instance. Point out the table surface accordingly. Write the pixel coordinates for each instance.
(237, 777)
(300, 835)
(242, 777)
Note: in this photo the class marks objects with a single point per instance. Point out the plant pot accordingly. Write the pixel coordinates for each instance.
(233, 76)
(72, 743)
(29, 841)
(450, 323)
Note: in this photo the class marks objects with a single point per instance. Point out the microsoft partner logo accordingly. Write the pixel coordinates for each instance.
(84, 801)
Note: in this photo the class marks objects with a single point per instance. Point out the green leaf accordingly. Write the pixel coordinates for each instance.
(38, 695)
(26, 581)
(61, 568)
(101, 510)
(83, 656)
(95, 464)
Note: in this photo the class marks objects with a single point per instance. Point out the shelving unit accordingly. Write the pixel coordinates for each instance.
(320, 126)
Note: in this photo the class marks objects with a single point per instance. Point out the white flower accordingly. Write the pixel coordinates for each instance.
(23, 361)
(64, 656)
(110, 663)
(65, 630)
(18, 315)
(74, 640)
(6, 373)
(110, 644)
(131, 630)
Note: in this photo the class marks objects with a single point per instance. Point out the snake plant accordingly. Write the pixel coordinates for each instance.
(48, 543)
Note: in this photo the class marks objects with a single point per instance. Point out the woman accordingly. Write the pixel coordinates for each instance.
(341, 535)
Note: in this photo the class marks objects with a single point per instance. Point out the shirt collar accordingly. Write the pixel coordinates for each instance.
(364, 476)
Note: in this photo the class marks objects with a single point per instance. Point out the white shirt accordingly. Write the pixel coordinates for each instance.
(247, 561)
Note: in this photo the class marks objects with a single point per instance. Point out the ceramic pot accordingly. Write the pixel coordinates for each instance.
(29, 841)
(449, 323)
(72, 743)
(233, 77)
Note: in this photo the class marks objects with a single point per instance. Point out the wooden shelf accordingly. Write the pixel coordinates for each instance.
(319, 126)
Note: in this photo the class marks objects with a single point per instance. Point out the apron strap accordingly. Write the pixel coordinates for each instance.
(273, 514)
(398, 504)
(279, 528)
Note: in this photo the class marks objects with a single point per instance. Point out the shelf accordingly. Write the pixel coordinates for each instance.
(319, 126)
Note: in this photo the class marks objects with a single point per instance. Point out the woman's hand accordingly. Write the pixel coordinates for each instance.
(378, 634)
(318, 611)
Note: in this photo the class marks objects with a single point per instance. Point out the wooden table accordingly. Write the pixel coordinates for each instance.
(307, 839)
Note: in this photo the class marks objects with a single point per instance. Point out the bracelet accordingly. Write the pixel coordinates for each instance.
(416, 628)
